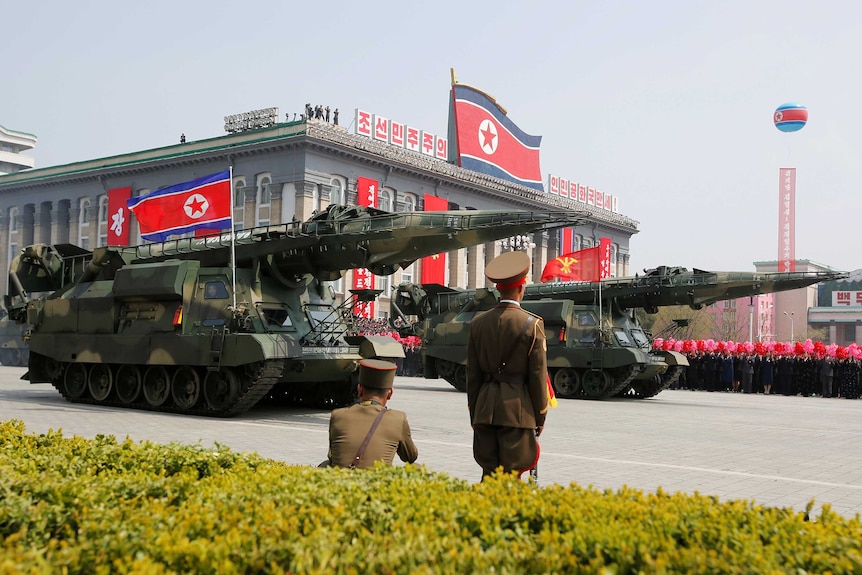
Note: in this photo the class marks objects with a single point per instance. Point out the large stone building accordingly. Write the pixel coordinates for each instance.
(12, 143)
(280, 173)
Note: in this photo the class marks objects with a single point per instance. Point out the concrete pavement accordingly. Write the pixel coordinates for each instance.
(775, 450)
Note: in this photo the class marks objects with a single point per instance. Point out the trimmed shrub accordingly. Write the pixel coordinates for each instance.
(101, 506)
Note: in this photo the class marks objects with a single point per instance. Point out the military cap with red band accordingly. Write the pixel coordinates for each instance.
(508, 270)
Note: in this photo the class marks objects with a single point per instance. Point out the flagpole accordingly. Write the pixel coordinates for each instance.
(232, 240)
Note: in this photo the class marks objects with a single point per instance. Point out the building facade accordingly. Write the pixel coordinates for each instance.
(12, 143)
(789, 316)
(287, 172)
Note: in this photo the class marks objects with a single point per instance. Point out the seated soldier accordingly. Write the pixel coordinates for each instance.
(367, 432)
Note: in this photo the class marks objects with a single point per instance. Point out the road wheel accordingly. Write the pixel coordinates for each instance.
(567, 383)
(157, 385)
(221, 389)
(75, 380)
(459, 378)
(100, 381)
(186, 387)
(128, 383)
(596, 384)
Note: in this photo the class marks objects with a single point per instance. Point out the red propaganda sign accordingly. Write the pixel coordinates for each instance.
(366, 192)
(366, 195)
(118, 216)
(787, 220)
(605, 258)
(363, 279)
(434, 267)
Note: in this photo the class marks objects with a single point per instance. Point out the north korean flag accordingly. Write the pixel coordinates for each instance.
(488, 141)
(203, 203)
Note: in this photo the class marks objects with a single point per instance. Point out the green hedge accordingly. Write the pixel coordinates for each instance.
(72, 505)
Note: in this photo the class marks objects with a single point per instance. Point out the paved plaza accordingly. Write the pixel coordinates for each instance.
(777, 451)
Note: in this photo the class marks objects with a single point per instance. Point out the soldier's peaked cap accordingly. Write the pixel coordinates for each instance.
(508, 269)
(376, 373)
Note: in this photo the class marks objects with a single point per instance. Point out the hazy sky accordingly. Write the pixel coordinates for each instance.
(668, 104)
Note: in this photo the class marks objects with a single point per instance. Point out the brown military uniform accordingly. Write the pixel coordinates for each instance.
(507, 391)
(348, 427)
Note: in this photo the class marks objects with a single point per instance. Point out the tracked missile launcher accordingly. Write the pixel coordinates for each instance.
(596, 347)
(13, 349)
(209, 326)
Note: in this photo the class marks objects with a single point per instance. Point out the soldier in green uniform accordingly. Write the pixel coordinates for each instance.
(507, 392)
(367, 432)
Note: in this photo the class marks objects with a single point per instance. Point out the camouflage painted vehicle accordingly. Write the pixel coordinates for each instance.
(596, 347)
(174, 326)
(13, 348)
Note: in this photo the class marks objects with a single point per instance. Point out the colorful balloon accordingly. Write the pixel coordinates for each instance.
(790, 117)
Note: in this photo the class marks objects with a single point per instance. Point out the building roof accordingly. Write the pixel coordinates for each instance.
(311, 130)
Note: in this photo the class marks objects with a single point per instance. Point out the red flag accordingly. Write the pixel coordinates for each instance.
(434, 267)
(186, 207)
(118, 216)
(583, 265)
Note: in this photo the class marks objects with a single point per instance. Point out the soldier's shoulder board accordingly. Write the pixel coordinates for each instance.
(532, 314)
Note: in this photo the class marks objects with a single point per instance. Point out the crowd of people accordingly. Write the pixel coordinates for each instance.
(411, 364)
(810, 369)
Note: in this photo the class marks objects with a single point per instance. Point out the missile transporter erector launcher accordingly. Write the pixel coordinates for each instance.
(596, 347)
(209, 326)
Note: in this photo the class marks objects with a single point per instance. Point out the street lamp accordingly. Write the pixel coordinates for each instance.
(790, 315)
(750, 318)
(762, 321)
(517, 243)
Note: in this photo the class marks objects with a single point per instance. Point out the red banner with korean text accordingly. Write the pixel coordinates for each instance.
(787, 220)
(366, 196)
(118, 216)
(434, 267)
(605, 258)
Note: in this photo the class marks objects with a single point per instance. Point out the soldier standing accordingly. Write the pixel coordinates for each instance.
(367, 432)
(507, 393)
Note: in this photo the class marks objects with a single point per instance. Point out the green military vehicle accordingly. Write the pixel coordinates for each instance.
(13, 348)
(596, 346)
(209, 326)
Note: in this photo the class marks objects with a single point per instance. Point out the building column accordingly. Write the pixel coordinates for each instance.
(325, 196)
(492, 250)
(60, 223)
(74, 231)
(457, 275)
(475, 267)
(249, 207)
(93, 223)
(539, 256)
(5, 255)
(42, 223)
(27, 227)
(858, 331)
(305, 200)
(275, 203)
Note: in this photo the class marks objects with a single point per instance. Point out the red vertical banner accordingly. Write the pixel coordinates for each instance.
(366, 195)
(366, 192)
(787, 220)
(567, 240)
(118, 216)
(434, 267)
(605, 258)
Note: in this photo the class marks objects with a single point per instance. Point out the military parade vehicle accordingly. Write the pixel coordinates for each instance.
(209, 326)
(13, 348)
(596, 346)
